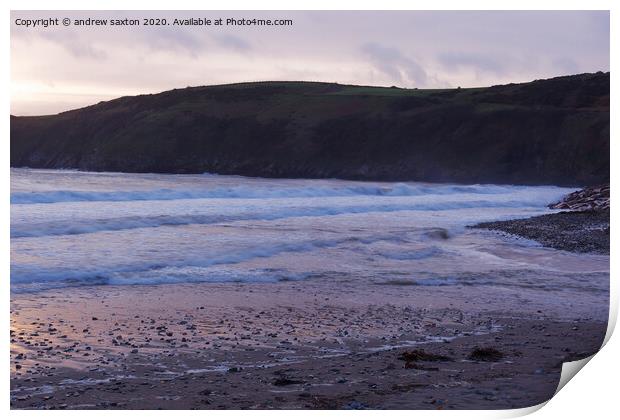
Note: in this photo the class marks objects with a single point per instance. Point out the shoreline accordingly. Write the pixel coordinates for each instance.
(574, 231)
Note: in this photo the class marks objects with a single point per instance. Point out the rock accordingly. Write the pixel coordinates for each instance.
(355, 405)
(590, 198)
(438, 233)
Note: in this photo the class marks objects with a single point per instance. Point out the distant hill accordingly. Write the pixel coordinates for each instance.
(553, 131)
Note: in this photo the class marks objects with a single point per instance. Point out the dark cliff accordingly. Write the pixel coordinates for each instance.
(553, 131)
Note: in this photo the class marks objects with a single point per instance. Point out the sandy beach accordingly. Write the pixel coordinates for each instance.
(324, 343)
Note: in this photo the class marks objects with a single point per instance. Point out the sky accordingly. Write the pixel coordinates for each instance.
(58, 68)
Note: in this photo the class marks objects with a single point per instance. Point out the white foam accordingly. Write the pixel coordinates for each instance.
(279, 191)
(74, 228)
(28, 277)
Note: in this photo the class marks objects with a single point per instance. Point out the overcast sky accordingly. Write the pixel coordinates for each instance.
(59, 68)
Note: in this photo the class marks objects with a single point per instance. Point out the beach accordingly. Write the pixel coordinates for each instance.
(575, 231)
(322, 344)
(146, 291)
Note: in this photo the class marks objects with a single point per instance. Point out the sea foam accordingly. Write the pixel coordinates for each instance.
(245, 192)
(84, 229)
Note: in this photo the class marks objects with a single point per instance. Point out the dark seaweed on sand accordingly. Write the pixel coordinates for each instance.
(486, 354)
(422, 356)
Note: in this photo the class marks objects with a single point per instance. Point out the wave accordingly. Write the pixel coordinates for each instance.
(153, 277)
(413, 254)
(77, 227)
(213, 268)
(185, 275)
(247, 192)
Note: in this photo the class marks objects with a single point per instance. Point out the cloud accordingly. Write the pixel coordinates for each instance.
(175, 40)
(395, 65)
(483, 63)
(426, 49)
(232, 42)
(75, 46)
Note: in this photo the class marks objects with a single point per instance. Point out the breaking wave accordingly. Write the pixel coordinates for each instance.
(85, 229)
(77, 227)
(246, 192)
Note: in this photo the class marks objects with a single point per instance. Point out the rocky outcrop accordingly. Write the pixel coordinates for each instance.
(591, 198)
(546, 132)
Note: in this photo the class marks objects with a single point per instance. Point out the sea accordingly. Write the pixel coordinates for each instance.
(81, 229)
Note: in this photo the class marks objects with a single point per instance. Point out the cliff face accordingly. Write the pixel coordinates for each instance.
(553, 131)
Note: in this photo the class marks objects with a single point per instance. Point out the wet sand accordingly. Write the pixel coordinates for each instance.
(320, 343)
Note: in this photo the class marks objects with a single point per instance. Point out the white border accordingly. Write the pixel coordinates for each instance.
(591, 395)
